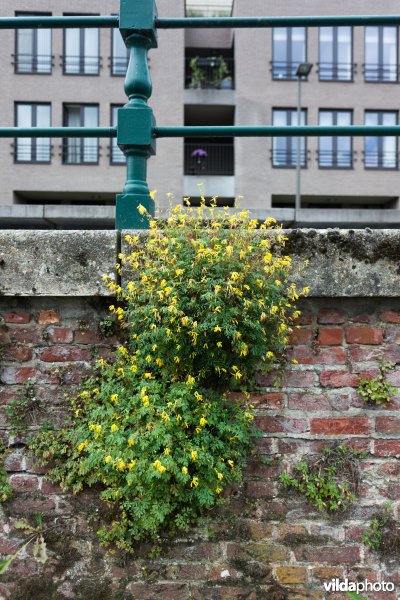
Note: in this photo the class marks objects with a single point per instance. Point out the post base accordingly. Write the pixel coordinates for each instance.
(127, 215)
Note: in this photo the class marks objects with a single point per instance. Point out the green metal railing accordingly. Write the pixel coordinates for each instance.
(136, 130)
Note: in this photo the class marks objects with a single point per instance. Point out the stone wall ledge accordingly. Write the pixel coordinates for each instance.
(341, 262)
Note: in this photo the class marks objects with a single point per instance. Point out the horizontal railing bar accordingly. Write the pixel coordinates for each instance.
(67, 132)
(277, 131)
(250, 22)
(56, 22)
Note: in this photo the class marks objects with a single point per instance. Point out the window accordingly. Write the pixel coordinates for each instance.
(33, 48)
(381, 54)
(335, 54)
(32, 150)
(81, 51)
(81, 150)
(335, 152)
(288, 51)
(380, 152)
(284, 149)
(117, 157)
(119, 54)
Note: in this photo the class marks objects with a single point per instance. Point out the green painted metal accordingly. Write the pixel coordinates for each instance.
(67, 132)
(136, 120)
(252, 22)
(276, 131)
(57, 22)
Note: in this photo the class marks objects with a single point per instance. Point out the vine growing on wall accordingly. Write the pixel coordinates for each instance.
(202, 308)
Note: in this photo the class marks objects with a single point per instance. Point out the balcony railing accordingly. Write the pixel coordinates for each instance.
(119, 65)
(331, 71)
(32, 63)
(285, 71)
(330, 159)
(79, 151)
(381, 72)
(33, 151)
(80, 65)
(209, 159)
(211, 72)
(288, 158)
(381, 160)
(117, 157)
(214, 10)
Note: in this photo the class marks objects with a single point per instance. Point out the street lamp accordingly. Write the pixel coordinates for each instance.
(303, 70)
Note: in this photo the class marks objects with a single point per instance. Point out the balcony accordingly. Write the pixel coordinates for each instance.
(209, 73)
(381, 73)
(284, 71)
(33, 63)
(331, 159)
(209, 10)
(80, 64)
(381, 160)
(32, 151)
(331, 71)
(209, 159)
(287, 158)
(80, 151)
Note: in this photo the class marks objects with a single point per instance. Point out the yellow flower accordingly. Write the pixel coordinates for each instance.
(148, 358)
(277, 282)
(198, 429)
(114, 427)
(270, 354)
(97, 428)
(294, 361)
(132, 464)
(114, 398)
(218, 490)
(231, 463)
(177, 359)
(219, 344)
(159, 466)
(194, 454)
(131, 442)
(185, 470)
(83, 445)
(121, 464)
(148, 375)
(203, 421)
(217, 329)
(108, 459)
(190, 380)
(141, 209)
(167, 451)
(198, 396)
(112, 307)
(194, 482)
(78, 410)
(220, 476)
(84, 395)
(165, 416)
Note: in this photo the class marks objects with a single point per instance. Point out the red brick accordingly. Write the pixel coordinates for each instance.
(47, 487)
(282, 424)
(390, 425)
(24, 335)
(364, 335)
(260, 489)
(270, 400)
(18, 374)
(323, 356)
(60, 335)
(305, 318)
(330, 336)
(19, 353)
(363, 318)
(300, 336)
(299, 379)
(17, 317)
(387, 448)
(335, 555)
(63, 353)
(24, 483)
(391, 316)
(348, 425)
(390, 468)
(322, 402)
(48, 317)
(91, 336)
(338, 379)
(331, 316)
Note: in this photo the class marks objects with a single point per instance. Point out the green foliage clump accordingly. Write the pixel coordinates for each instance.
(213, 76)
(330, 482)
(372, 538)
(155, 427)
(5, 488)
(24, 410)
(378, 390)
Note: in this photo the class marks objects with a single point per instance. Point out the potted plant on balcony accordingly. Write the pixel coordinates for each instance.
(208, 72)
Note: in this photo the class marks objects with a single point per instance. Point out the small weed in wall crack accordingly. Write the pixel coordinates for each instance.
(378, 390)
(24, 410)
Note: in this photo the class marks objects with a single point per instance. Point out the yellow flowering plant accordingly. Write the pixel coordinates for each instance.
(206, 301)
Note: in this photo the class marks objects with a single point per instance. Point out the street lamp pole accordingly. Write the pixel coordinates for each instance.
(303, 70)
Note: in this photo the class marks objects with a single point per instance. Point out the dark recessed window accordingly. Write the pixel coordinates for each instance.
(81, 150)
(288, 51)
(81, 51)
(335, 152)
(33, 48)
(335, 54)
(284, 149)
(380, 152)
(381, 62)
(32, 150)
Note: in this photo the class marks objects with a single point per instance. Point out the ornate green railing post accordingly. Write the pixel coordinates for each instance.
(135, 120)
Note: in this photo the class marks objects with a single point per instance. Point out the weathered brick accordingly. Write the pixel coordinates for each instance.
(16, 317)
(18, 353)
(90, 336)
(64, 354)
(301, 336)
(263, 551)
(290, 575)
(338, 379)
(60, 335)
(390, 316)
(330, 336)
(223, 593)
(334, 555)
(18, 374)
(327, 573)
(305, 318)
(24, 482)
(331, 316)
(48, 317)
(269, 400)
(260, 489)
(323, 356)
(282, 424)
(389, 425)
(322, 402)
(24, 335)
(387, 447)
(364, 335)
(299, 379)
(167, 591)
(340, 426)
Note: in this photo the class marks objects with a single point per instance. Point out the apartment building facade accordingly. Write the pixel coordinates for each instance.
(202, 77)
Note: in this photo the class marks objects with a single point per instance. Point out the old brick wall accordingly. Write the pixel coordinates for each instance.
(267, 542)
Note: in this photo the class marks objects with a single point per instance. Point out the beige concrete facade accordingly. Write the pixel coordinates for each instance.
(251, 103)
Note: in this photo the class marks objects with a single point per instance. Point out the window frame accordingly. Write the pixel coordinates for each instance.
(33, 141)
(380, 64)
(335, 50)
(380, 140)
(334, 139)
(303, 164)
(65, 141)
(112, 73)
(113, 140)
(289, 52)
(81, 57)
(35, 43)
